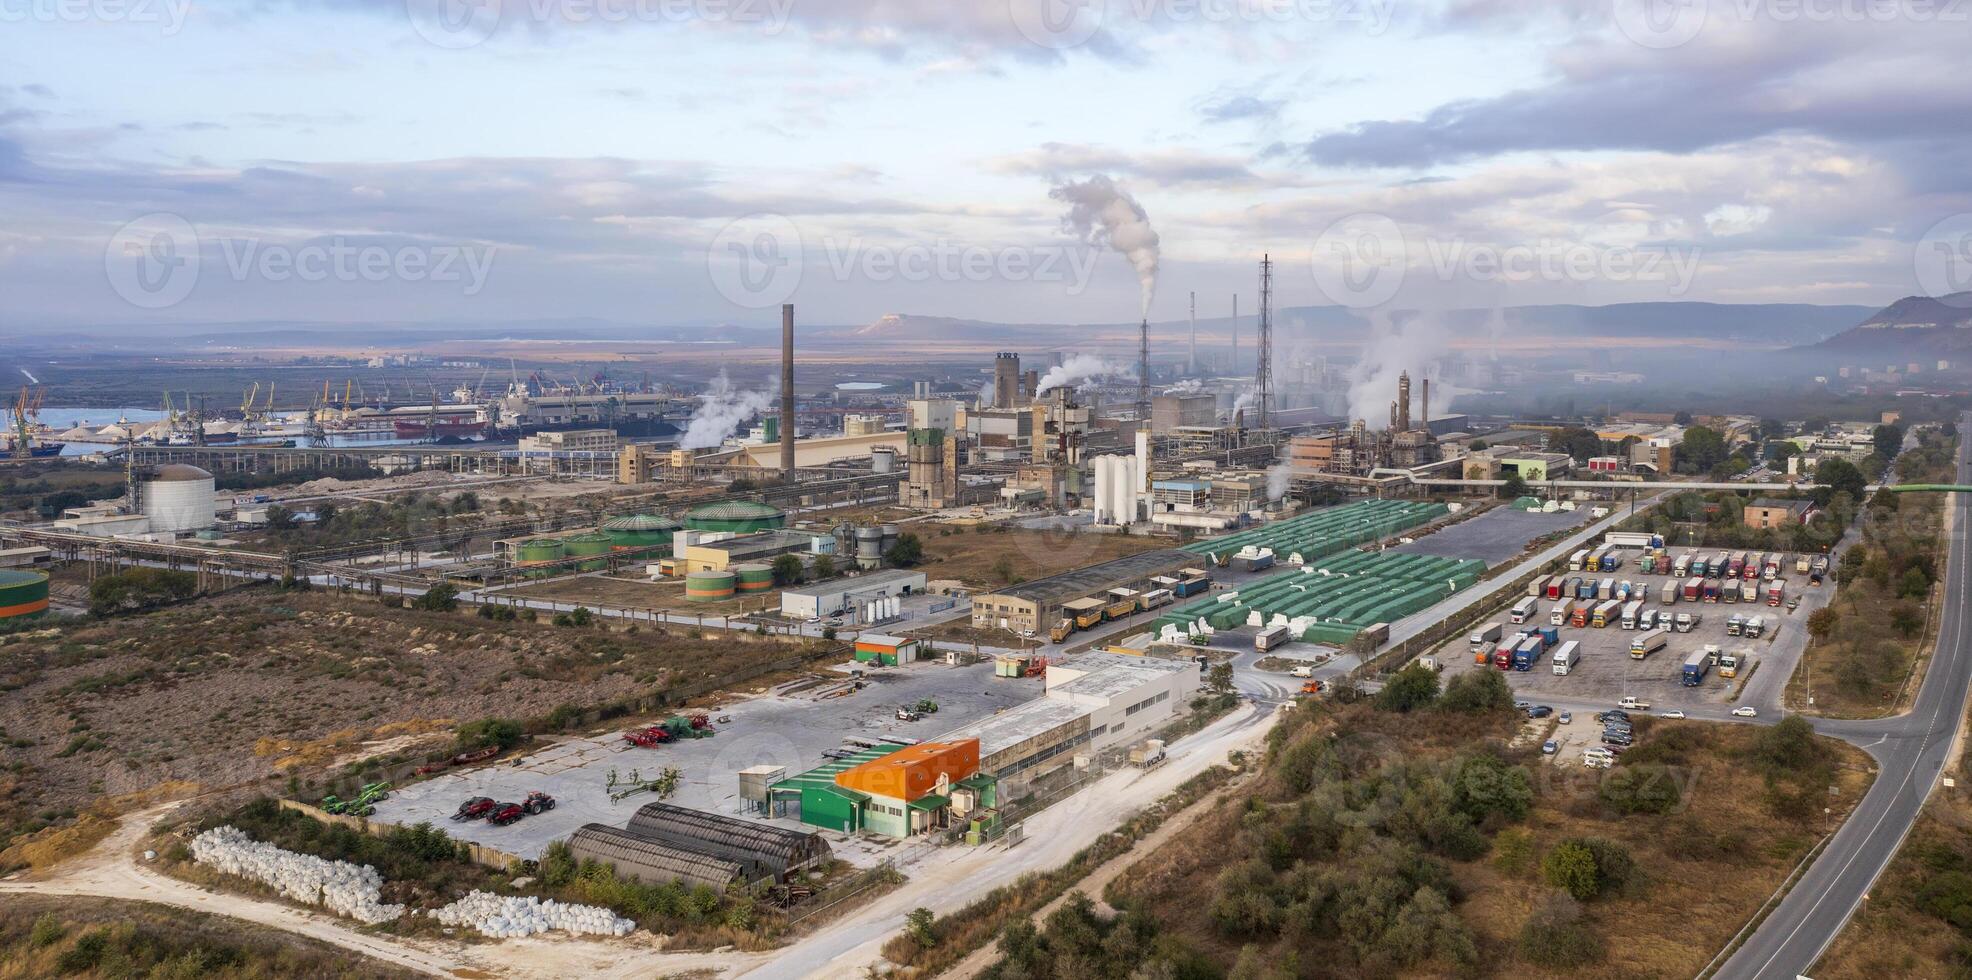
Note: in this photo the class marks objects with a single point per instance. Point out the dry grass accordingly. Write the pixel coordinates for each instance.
(39, 937)
(977, 557)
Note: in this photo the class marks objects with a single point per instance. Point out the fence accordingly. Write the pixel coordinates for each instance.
(883, 874)
(481, 854)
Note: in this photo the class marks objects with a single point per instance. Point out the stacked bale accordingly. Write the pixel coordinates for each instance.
(517, 917)
(351, 890)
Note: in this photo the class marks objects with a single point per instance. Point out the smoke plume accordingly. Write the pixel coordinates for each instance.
(1279, 480)
(1418, 346)
(722, 409)
(1101, 213)
(1189, 386)
(1080, 369)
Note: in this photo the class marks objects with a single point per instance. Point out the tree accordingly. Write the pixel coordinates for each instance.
(443, 597)
(1577, 442)
(787, 569)
(1701, 450)
(1888, 440)
(1771, 429)
(1415, 686)
(1475, 692)
(279, 518)
(1644, 788)
(503, 732)
(1682, 418)
(138, 589)
(1220, 679)
(1823, 621)
(1839, 476)
(908, 551)
(1514, 487)
(1787, 747)
(1004, 570)
(1570, 866)
(823, 568)
(918, 925)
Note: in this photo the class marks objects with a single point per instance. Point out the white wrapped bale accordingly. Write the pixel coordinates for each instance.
(354, 891)
(510, 917)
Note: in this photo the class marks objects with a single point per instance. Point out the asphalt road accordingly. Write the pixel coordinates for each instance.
(1910, 750)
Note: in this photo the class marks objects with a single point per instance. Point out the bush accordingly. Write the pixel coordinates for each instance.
(503, 732)
(1476, 692)
(1486, 787)
(1646, 788)
(139, 589)
(1416, 686)
(1557, 937)
(443, 597)
(1570, 866)
(1787, 747)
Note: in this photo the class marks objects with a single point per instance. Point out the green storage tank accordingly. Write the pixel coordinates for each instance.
(22, 593)
(754, 577)
(589, 545)
(639, 531)
(539, 550)
(737, 516)
(709, 586)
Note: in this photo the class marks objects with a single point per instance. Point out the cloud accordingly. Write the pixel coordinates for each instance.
(1237, 107)
(1167, 167)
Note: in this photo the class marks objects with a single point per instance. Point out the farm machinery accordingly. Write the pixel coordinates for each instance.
(363, 805)
(670, 730)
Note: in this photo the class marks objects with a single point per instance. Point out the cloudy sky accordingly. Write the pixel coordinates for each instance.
(698, 161)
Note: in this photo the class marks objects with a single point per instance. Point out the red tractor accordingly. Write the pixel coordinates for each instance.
(701, 722)
(645, 738)
(505, 813)
(537, 802)
(475, 808)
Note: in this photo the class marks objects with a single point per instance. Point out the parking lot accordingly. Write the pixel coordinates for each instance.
(1606, 672)
(1498, 535)
(791, 726)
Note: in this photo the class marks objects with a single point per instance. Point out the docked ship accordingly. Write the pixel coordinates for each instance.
(446, 427)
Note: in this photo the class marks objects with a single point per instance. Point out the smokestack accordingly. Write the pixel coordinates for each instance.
(1404, 402)
(1143, 372)
(1426, 426)
(787, 391)
(1191, 360)
(1233, 368)
(1006, 379)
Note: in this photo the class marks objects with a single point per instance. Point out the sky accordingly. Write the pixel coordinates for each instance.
(699, 162)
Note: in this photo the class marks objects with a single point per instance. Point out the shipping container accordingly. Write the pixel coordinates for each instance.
(1669, 594)
(1549, 635)
(1694, 589)
(1566, 656)
(1648, 643)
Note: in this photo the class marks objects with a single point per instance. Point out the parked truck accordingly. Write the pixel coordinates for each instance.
(1631, 610)
(1695, 669)
(1687, 621)
(1731, 661)
(1754, 628)
(1558, 616)
(1489, 633)
(1803, 563)
(1538, 587)
(1575, 560)
(1718, 564)
(1521, 611)
(1503, 654)
(1527, 652)
(1648, 643)
(1606, 614)
(1735, 625)
(1682, 566)
(1552, 588)
(1699, 566)
(1566, 656)
(1611, 560)
(1550, 636)
(1776, 592)
(1770, 569)
(1579, 617)
(1584, 588)
(1271, 637)
(1668, 595)
(1632, 539)
(1711, 591)
(1606, 589)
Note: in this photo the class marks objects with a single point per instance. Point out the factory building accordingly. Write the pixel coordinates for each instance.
(895, 790)
(816, 453)
(1358, 450)
(840, 594)
(570, 441)
(738, 516)
(715, 553)
(612, 410)
(1170, 412)
(178, 498)
(1036, 605)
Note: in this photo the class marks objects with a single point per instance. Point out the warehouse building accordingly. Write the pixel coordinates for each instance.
(1035, 606)
(762, 851)
(720, 554)
(839, 594)
(897, 791)
(650, 861)
(886, 651)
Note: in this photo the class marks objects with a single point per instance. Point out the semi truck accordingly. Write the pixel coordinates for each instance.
(1631, 610)
(1191, 581)
(1605, 614)
(1682, 566)
(1770, 569)
(1521, 610)
(1611, 560)
(1699, 566)
(1718, 564)
(1562, 610)
(1271, 637)
(1668, 595)
(1686, 622)
(1803, 563)
(1754, 628)
(1776, 592)
(1549, 635)
(1527, 652)
(1711, 591)
(1735, 625)
(1554, 586)
(1566, 656)
(1538, 587)
(1575, 560)
(1694, 589)
(1606, 589)
(1730, 662)
(1632, 539)
(1584, 588)
(1695, 669)
(1648, 643)
(1489, 633)
(1503, 654)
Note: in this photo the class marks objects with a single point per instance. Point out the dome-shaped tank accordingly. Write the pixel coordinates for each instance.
(754, 577)
(177, 497)
(639, 531)
(22, 593)
(590, 545)
(709, 586)
(737, 516)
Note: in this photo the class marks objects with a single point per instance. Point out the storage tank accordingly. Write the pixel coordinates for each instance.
(709, 586)
(588, 545)
(22, 593)
(883, 459)
(177, 497)
(889, 538)
(737, 516)
(639, 531)
(869, 546)
(540, 551)
(753, 577)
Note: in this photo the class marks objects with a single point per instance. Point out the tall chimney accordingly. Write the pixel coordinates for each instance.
(1233, 368)
(787, 391)
(1191, 360)
(1426, 426)
(1404, 402)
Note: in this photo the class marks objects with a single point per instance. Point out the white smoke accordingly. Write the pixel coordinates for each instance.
(1418, 347)
(986, 395)
(1101, 213)
(1189, 386)
(1246, 399)
(1279, 480)
(1080, 369)
(722, 409)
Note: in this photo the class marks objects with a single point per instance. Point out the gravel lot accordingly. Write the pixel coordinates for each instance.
(1496, 536)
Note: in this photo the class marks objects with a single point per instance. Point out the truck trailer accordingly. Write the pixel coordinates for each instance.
(1566, 656)
(1558, 616)
(1632, 610)
(1776, 592)
(1669, 594)
(1648, 643)
(1271, 637)
(1522, 610)
(1605, 614)
(1696, 666)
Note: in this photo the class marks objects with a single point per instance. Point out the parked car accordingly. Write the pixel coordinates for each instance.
(1523, 705)
(1539, 711)
(475, 808)
(1745, 711)
(505, 813)
(1565, 718)
(1550, 747)
(1673, 713)
(1597, 761)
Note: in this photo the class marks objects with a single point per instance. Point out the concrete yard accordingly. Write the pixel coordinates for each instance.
(1607, 673)
(1497, 536)
(790, 727)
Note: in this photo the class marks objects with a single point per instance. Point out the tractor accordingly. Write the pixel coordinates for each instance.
(537, 802)
(475, 808)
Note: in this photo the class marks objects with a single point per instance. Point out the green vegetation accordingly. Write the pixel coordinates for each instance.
(1075, 942)
(443, 597)
(99, 938)
(401, 517)
(1718, 520)
(139, 589)
(908, 551)
(503, 732)
(787, 569)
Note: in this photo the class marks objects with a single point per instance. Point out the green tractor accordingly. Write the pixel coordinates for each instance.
(330, 804)
(926, 706)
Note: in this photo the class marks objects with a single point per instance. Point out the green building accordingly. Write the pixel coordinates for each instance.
(737, 516)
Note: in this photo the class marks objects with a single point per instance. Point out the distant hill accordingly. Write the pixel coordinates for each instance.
(1912, 326)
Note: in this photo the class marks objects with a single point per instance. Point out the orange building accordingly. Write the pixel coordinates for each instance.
(913, 771)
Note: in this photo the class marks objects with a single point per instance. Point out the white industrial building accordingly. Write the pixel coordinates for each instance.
(1121, 482)
(177, 497)
(838, 594)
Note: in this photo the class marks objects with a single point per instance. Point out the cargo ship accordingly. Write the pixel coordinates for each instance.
(454, 428)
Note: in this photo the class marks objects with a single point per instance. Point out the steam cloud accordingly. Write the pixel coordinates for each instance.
(1189, 386)
(1080, 369)
(1417, 346)
(722, 409)
(1279, 480)
(1101, 213)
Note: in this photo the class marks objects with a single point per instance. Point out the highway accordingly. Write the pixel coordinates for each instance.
(1910, 750)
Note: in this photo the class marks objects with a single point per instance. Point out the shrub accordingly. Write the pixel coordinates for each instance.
(139, 589)
(1476, 692)
(443, 597)
(503, 732)
(1557, 937)
(1646, 788)
(1416, 686)
(1485, 786)
(1570, 866)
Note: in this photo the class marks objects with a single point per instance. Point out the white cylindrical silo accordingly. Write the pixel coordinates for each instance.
(178, 497)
